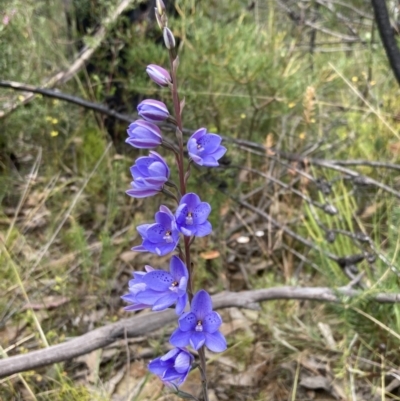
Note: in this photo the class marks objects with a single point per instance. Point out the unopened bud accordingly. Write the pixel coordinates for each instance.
(160, 6)
(159, 19)
(159, 75)
(169, 39)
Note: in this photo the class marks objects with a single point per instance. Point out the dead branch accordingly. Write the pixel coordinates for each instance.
(85, 54)
(387, 36)
(56, 94)
(149, 322)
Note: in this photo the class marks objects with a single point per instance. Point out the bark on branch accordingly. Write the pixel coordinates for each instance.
(387, 34)
(146, 323)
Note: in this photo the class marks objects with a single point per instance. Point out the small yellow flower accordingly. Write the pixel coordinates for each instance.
(21, 98)
(243, 116)
(372, 83)
(48, 118)
(54, 133)
(312, 120)
(55, 102)
(54, 121)
(302, 135)
(354, 79)
(291, 105)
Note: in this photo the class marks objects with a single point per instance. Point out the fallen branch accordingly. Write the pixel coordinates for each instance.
(56, 94)
(146, 323)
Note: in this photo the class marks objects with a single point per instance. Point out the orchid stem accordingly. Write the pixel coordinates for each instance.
(202, 357)
(182, 183)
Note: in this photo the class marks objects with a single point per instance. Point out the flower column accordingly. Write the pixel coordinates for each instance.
(155, 288)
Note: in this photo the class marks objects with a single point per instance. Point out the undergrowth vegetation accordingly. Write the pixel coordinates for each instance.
(249, 74)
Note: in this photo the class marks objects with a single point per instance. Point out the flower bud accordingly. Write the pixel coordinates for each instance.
(159, 19)
(153, 111)
(160, 6)
(169, 39)
(159, 75)
(144, 135)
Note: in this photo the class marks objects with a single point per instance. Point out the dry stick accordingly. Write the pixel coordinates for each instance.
(149, 322)
(80, 61)
(56, 94)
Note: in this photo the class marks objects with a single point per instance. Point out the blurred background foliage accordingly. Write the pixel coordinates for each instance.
(307, 78)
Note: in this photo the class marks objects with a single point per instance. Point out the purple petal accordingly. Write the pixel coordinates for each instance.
(212, 322)
(188, 230)
(201, 304)
(197, 159)
(141, 166)
(155, 233)
(180, 338)
(203, 229)
(183, 362)
(178, 268)
(142, 229)
(163, 219)
(142, 193)
(191, 200)
(165, 302)
(181, 304)
(201, 213)
(215, 342)
(210, 143)
(158, 169)
(181, 213)
(172, 376)
(164, 209)
(136, 307)
(209, 161)
(150, 182)
(187, 322)
(158, 74)
(129, 298)
(164, 249)
(182, 286)
(170, 354)
(139, 248)
(147, 143)
(158, 280)
(199, 133)
(219, 152)
(149, 297)
(192, 146)
(197, 339)
(157, 366)
(144, 127)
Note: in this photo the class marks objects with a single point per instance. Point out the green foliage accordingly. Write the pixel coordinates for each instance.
(243, 74)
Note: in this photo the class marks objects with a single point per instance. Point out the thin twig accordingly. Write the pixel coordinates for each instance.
(56, 94)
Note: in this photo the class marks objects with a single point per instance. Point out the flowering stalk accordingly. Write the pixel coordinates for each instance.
(156, 288)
